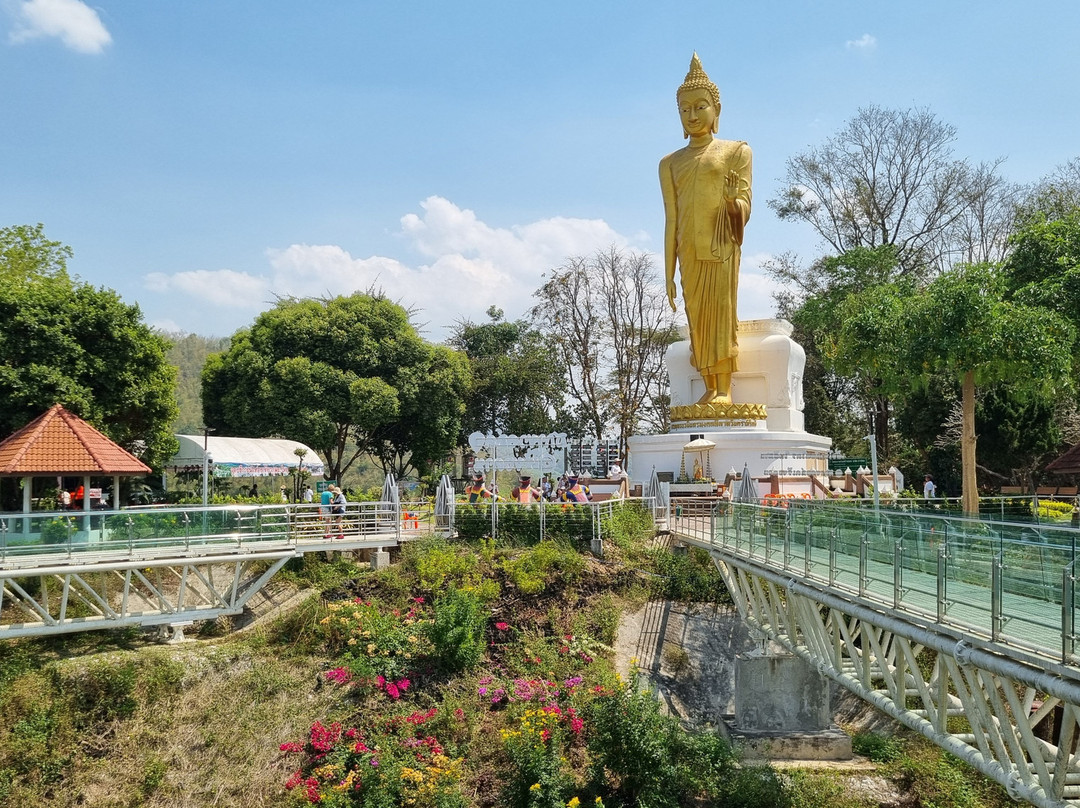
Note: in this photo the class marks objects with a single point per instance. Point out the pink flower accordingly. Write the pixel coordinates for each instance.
(502, 626)
(339, 675)
(291, 747)
(392, 691)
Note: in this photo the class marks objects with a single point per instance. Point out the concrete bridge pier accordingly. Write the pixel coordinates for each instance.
(782, 710)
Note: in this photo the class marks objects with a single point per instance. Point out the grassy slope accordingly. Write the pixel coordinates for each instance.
(103, 720)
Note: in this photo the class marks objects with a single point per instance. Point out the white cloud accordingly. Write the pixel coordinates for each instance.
(471, 266)
(866, 42)
(223, 287)
(76, 24)
(756, 288)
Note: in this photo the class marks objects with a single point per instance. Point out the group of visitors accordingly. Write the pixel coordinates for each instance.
(569, 488)
(69, 501)
(332, 504)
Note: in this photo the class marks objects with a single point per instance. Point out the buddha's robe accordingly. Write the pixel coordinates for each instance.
(708, 244)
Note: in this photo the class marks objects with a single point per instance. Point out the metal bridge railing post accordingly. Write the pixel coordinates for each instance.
(995, 595)
(807, 541)
(1068, 612)
(789, 526)
(942, 581)
(864, 552)
(834, 539)
(898, 573)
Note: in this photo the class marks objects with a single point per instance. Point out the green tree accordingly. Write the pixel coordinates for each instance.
(837, 393)
(1044, 266)
(27, 256)
(347, 375)
(516, 384)
(66, 342)
(962, 324)
(188, 355)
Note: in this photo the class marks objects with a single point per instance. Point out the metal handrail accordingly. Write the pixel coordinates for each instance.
(1009, 583)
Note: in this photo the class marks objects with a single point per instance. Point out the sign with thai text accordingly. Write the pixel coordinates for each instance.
(538, 453)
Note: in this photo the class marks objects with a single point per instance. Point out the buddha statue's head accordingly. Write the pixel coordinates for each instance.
(699, 101)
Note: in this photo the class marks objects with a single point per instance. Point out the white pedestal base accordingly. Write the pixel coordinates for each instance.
(762, 451)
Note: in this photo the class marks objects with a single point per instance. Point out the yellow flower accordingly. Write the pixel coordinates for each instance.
(412, 638)
(324, 621)
(352, 640)
(574, 803)
(371, 648)
(534, 787)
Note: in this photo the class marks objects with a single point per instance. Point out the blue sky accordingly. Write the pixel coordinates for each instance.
(202, 158)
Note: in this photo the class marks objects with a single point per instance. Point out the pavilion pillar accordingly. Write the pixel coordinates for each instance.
(116, 492)
(86, 505)
(27, 500)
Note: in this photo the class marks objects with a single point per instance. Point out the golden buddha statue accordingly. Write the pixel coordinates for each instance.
(706, 189)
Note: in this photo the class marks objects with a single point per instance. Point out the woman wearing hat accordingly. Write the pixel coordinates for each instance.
(337, 511)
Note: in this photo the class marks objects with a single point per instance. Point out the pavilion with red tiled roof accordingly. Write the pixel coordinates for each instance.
(61, 444)
(1068, 463)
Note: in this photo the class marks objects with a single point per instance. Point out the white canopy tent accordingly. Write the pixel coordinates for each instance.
(246, 457)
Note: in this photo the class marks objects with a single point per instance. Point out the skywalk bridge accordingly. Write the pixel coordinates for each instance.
(76, 570)
(79, 570)
(963, 630)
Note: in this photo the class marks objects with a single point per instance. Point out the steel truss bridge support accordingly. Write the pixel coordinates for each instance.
(163, 592)
(962, 629)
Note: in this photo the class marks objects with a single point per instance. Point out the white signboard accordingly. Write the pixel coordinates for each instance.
(541, 454)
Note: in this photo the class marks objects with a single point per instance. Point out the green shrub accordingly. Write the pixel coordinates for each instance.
(601, 619)
(534, 569)
(438, 564)
(103, 691)
(372, 640)
(878, 748)
(519, 525)
(457, 632)
(688, 577)
(630, 523)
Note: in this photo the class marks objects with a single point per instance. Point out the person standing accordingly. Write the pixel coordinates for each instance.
(326, 496)
(616, 473)
(309, 495)
(337, 510)
(929, 490)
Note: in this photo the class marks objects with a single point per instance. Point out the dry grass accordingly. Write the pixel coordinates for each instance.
(212, 742)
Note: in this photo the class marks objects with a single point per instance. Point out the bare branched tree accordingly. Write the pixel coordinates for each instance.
(607, 318)
(981, 232)
(887, 177)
